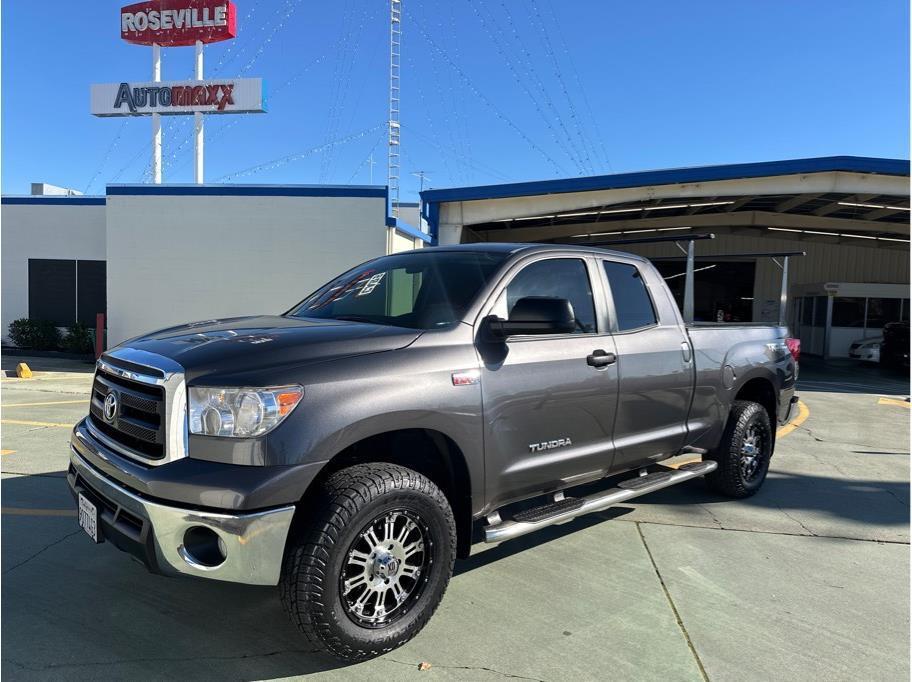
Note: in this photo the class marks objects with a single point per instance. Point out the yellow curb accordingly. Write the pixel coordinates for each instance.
(23, 371)
(28, 423)
(893, 401)
(19, 511)
(54, 402)
(803, 414)
(7, 452)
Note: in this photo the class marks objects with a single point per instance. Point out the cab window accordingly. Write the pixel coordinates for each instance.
(632, 303)
(555, 277)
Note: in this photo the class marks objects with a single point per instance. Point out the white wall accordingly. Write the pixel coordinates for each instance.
(175, 259)
(65, 229)
(399, 241)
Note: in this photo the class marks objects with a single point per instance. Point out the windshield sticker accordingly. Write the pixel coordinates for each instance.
(371, 284)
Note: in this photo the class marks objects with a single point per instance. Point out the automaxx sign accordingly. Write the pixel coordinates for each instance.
(226, 96)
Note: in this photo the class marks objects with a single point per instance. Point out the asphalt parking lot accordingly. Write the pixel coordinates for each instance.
(807, 580)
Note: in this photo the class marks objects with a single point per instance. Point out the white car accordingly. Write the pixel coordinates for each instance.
(866, 350)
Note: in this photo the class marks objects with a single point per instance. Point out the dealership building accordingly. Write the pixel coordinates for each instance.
(850, 215)
(150, 256)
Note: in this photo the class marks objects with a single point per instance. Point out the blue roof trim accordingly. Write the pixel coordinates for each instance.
(409, 230)
(54, 201)
(368, 191)
(673, 176)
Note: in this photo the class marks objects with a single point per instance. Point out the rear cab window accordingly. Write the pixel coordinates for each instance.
(633, 305)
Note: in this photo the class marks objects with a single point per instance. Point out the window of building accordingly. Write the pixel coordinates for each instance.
(881, 311)
(820, 311)
(555, 277)
(848, 311)
(632, 303)
(91, 290)
(64, 291)
(807, 310)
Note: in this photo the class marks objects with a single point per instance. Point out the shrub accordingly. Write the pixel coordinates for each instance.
(35, 334)
(46, 335)
(21, 332)
(78, 339)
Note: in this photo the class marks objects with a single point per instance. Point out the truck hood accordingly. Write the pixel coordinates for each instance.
(243, 344)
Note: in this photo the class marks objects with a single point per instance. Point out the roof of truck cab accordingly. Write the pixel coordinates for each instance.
(511, 248)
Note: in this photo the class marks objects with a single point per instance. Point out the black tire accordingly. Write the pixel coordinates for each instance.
(350, 503)
(738, 475)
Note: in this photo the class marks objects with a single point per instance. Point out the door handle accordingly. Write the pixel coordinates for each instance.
(600, 358)
(685, 349)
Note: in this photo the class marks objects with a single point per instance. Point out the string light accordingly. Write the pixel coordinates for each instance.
(270, 165)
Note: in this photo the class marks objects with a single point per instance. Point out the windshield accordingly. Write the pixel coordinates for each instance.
(418, 290)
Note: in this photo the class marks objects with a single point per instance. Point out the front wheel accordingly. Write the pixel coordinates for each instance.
(370, 565)
(744, 453)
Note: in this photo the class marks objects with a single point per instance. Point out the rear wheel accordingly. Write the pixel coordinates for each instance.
(371, 561)
(744, 453)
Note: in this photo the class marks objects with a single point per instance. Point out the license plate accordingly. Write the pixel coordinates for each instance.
(88, 517)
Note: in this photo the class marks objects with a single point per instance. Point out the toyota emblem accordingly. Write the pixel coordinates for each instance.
(110, 407)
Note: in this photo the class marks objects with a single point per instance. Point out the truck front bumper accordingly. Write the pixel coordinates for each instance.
(236, 547)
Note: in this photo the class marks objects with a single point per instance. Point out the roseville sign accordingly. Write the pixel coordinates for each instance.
(230, 96)
(171, 23)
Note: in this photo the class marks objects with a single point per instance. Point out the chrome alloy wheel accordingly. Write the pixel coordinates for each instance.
(752, 452)
(385, 568)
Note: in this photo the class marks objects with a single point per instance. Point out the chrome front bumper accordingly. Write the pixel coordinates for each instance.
(253, 544)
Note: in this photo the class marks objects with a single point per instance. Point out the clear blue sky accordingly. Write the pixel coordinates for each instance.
(492, 91)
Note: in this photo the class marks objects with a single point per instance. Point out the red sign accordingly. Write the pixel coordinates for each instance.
(172, 23)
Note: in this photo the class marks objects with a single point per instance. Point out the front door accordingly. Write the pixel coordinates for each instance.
(548, 413)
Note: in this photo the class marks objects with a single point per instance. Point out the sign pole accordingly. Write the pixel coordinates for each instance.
(156, 120)
(198, 121)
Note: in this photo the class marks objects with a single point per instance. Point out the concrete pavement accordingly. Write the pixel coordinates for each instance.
(807, 580)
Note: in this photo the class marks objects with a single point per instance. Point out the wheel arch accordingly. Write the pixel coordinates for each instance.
(761, 390)
(428, 451)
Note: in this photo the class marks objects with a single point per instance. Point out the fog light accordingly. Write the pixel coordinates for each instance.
(203, 548)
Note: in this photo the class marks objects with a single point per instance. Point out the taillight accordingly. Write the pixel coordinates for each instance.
(794, 346)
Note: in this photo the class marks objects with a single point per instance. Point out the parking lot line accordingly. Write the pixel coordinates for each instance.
(893, 401)
(7, 452)
(23, 422)
(53, 402)
(21, 511)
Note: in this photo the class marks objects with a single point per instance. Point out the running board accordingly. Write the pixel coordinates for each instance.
(569, 508)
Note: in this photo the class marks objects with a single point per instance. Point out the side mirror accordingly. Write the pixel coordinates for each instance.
(534, 315)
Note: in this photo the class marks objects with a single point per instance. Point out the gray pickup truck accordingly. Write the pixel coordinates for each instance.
(349, 450)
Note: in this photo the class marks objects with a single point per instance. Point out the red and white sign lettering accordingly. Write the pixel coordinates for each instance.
(173, 23)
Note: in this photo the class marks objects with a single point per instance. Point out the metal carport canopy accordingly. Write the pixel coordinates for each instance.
(839, 192)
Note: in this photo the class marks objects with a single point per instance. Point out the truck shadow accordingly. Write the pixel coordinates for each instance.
(812, 499)
(74, 609)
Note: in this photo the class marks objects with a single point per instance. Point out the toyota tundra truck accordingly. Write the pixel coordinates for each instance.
(350, 449)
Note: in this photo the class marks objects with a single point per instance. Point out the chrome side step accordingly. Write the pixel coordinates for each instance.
(535, 519)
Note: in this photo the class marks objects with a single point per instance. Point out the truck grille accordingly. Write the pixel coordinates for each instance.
(136, 422)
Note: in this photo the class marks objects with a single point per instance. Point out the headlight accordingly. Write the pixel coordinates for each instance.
(240, 412)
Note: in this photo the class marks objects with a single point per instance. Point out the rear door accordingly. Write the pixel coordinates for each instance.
(548, 413)
(654, 364)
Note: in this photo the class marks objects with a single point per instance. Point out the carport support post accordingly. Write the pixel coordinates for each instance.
(783, 293)
(156, 120)
(689, 285)
(198, 121)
